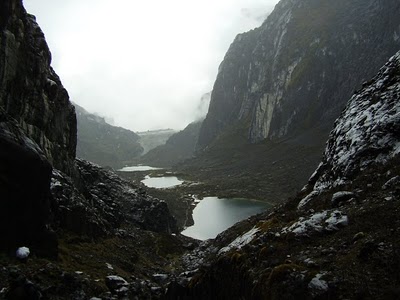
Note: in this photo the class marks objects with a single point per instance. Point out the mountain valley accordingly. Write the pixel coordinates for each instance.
(304, 115)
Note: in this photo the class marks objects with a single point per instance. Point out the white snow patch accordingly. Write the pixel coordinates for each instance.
(118, 279)
(55, 183)
(302, 226)
(342, 194)
(325, 220)
(241, 241)
(22, 252)
(336, 220)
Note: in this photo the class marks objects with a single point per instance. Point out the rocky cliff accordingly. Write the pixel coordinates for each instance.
(30, 90)
(294, 72)
(339, 237)
(104, 144)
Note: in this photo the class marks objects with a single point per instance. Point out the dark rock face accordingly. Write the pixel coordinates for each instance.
(104, 144)
(337, 236)
(179, 147)
(297, 70)
(24, 191)
(102, 202)
(31, 92)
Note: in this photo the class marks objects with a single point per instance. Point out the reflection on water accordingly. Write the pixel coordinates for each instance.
(161, 182)
(138, 168)
(213, 215)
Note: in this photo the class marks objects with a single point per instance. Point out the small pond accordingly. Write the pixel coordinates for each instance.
(213, 215)
(161, 182)
(138, 168)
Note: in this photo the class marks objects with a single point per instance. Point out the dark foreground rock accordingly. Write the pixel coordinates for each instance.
(25, 177)
(101, 202)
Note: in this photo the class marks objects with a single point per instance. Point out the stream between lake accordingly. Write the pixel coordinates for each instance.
(212, 215)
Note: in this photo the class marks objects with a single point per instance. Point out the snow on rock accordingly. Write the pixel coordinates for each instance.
(303, 225)
(241, 241)
(366, 132)
(342, 196)
(336, 220)
(318, 286)
(394, 181)
(22, 253)
(116, 284)
(318, 222)
(307, 199)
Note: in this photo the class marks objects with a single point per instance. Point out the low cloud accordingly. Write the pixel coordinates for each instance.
(143, 64)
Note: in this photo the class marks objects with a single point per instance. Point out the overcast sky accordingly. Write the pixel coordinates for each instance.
(143, 64)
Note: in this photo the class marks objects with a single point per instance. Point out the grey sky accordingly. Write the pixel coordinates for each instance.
(143, 64)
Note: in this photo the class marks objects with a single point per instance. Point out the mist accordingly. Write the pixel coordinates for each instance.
(143, 65)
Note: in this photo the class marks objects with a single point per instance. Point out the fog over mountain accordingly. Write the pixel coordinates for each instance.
(159, 59)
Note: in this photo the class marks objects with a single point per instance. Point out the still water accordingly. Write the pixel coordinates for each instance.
(213, 215)
(161, 182)
(138, 168)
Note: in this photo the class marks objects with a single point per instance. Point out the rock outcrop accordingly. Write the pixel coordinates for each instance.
(366, 134)
(30, 90)
(295, 72)
(102, 202)
(338, 238)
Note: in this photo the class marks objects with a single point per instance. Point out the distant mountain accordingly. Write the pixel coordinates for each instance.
(152, 138)
(104, 144)
(179, 147)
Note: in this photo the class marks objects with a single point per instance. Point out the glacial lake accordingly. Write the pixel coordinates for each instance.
(161, 182)
(213, 215)
(138, 168)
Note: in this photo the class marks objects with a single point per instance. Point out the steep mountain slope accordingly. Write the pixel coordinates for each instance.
(104, 144)
(339, 238)
(179, 147)
(294, 72)
(283, 84)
